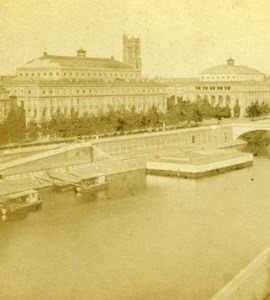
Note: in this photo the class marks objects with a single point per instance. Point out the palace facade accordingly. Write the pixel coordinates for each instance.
(51, 85)
(43, 99)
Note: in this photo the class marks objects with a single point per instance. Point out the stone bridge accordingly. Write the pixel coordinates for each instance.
(241, 128)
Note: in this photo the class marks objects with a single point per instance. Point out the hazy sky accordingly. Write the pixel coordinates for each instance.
(178, 37)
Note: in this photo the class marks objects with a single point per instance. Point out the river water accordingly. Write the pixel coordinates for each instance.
(148, 237)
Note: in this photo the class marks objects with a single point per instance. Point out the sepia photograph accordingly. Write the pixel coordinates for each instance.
(134, 150)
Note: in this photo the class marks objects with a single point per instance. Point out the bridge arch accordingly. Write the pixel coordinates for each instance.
(241, 129)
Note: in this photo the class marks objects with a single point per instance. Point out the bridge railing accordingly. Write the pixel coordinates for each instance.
(253, 282)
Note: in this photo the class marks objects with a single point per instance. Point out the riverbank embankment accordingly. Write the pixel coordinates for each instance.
(109, 155)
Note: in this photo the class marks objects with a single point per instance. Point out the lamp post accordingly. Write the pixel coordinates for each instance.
(213, 128)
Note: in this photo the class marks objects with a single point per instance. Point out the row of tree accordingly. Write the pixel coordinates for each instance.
(14, 128)
(197, 111)
(256, 110)
(125, 120)
(89, 124)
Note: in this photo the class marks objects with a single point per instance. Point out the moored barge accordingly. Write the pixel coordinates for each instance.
(19, 201)
(93, 184)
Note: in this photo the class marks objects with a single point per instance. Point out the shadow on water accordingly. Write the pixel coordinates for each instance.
(84, 198)
(19, 216)
(126, 184)
(258, 143)
(119, 186)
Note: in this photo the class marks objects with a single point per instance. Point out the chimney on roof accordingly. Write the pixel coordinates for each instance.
(230, 62)
(81, 53)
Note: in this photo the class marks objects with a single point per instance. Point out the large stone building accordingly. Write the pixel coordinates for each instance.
(227, 84)
(79, 67)
(50, 85)
(4, 104)
(43, 99)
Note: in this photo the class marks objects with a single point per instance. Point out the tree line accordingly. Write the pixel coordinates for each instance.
(14, 128)
(256, 109)
(90, 124)
(197, 111)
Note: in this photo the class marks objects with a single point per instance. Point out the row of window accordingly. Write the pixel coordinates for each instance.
(72, 74)
(212, 88)
(219, 77)
(4, 103)
(95, 91)
(234, 78)
(3, 112)
(96, 107)
(113, 101)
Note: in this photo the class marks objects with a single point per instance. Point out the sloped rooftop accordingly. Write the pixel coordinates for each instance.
(75, 62)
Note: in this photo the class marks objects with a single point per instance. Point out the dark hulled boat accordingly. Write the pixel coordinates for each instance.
(19, 201)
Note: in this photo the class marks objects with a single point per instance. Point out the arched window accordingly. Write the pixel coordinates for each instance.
(220, 100)
(213, 100)
(228, 100)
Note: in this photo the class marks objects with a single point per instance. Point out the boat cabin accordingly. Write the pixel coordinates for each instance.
(94, 183)
(96, 179)
(17, 201)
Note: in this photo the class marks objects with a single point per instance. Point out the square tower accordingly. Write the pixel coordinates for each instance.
(132, 51)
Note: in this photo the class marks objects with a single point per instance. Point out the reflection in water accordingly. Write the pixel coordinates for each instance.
(258, 142)
(145, 238)
(126, 184)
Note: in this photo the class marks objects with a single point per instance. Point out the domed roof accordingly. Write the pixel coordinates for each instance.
(231, 68)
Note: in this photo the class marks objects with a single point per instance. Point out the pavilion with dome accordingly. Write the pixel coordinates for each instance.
(229, 84)
(231, 72)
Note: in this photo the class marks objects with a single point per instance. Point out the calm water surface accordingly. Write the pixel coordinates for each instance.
(147, 238)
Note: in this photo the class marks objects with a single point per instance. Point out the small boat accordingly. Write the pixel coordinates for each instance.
(63, 181)
(93, 184)
(62, 186)
(19, 201)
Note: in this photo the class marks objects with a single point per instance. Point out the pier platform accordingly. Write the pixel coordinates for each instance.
(198, 163)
